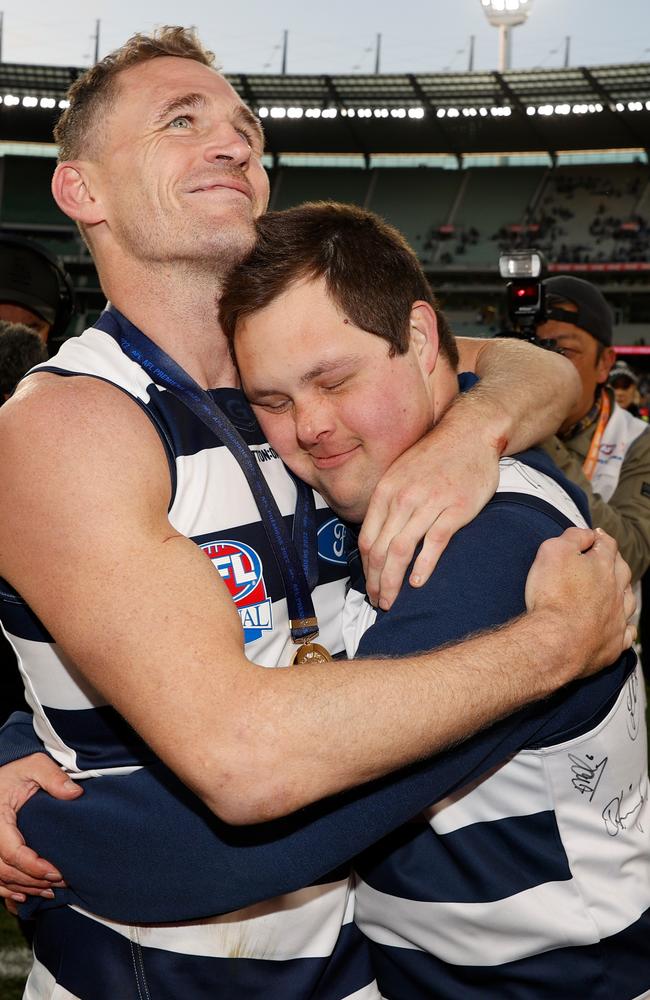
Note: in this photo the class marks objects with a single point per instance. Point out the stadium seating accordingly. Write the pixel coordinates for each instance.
(415, 200)
(293, 185)
(456, 220)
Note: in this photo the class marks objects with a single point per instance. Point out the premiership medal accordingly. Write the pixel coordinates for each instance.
(308, 652)
(312, 652)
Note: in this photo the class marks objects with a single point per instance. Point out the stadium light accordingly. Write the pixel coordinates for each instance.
(505, 15)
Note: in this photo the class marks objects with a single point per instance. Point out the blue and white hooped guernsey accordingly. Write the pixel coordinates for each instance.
(303, 945)
(532, 878)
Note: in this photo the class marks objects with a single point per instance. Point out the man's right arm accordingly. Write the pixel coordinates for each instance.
(227, 869)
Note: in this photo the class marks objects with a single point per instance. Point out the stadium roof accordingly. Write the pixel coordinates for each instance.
(602, 107)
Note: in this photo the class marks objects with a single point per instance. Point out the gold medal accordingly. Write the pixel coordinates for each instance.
(312, 652)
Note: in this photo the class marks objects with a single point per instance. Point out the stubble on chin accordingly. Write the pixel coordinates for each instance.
(215, 248)
(230, 244)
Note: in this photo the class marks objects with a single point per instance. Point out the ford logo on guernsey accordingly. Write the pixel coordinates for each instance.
(332, 542)
(240, 567)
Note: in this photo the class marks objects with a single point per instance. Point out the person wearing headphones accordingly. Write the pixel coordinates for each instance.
(35, 288)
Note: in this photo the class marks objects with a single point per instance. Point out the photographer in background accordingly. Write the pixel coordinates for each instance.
(601, 447)
(35, 288)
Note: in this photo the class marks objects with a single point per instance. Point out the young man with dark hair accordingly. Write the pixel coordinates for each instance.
(505, 886)
(144, 459)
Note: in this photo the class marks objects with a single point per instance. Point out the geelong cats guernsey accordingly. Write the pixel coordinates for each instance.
(530, 879)
(303, 945)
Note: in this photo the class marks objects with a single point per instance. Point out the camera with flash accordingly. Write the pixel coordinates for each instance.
(524, 271)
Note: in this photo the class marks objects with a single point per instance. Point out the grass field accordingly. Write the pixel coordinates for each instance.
(15, 958)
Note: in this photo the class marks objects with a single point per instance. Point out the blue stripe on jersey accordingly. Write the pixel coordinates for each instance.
(534, 503)
(467, 865)
(19, 619)
(94, 962)
(100, 737)
(616, 968)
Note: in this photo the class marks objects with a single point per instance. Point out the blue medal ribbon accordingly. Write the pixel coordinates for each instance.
(296, 554)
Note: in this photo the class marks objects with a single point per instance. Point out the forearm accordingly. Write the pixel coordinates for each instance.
(214, 869)
(211, 868)
(524, 394)
(320, 731)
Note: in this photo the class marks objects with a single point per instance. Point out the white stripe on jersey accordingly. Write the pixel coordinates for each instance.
(517, 788)
(311, 923)
(366, 993)
(223, 505)
(515, 477)
(478, 933)
(41, 985)
(605, 835)
(596, 787)
(65, 687)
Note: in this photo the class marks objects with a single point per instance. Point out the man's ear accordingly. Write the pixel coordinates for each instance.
(73, 192)
(423, 330)
(605, 364)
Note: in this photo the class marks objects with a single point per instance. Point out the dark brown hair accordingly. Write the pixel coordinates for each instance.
(370, 271)
(93, 93)
(20, 349)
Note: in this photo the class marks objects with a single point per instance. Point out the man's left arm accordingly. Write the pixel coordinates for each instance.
(480, 583)
(444, 480)
(626, 515)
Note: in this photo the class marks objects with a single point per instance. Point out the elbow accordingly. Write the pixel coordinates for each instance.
(253, 771)
(251, 790)
(251, 799)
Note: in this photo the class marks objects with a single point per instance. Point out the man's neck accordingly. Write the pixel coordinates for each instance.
(177, 308)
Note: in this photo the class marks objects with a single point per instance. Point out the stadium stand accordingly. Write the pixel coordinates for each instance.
(465, 164)
(416, 200)
(291, 186)
(591, 213)
(491, 198)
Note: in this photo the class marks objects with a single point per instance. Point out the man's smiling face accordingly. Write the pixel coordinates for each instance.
(178, 163)
(329, 397)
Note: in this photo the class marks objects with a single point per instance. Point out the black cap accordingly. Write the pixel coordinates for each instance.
(31, 277)
(594, 314)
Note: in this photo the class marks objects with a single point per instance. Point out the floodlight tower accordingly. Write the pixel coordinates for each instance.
(504, 15)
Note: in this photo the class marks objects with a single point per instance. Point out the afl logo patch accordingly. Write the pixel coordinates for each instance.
(332, 542)
(240, 567)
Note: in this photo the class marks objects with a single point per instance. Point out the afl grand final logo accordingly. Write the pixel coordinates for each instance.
(240, 568)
